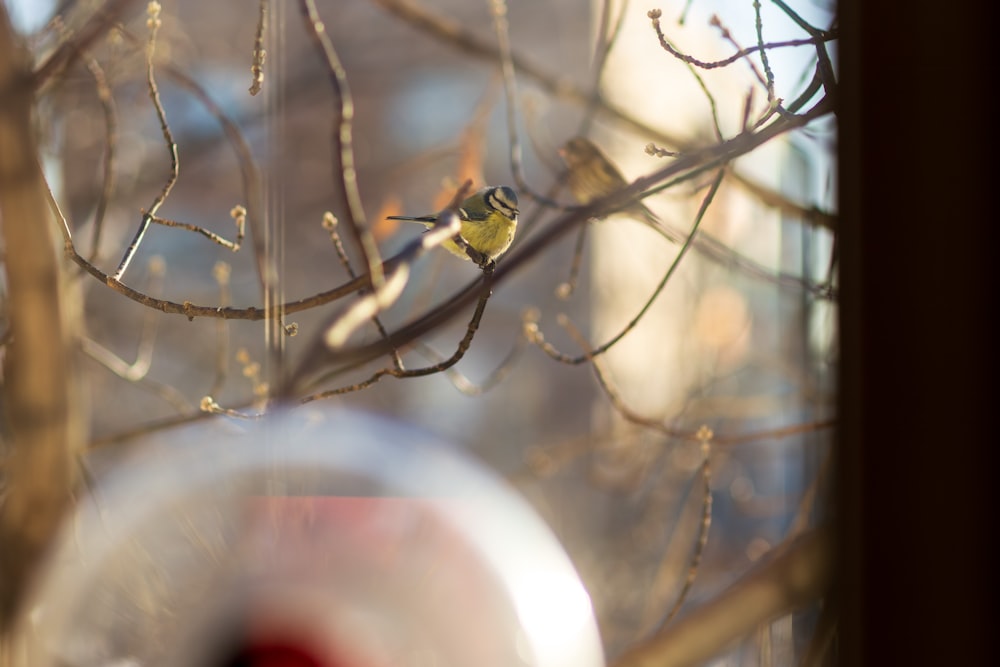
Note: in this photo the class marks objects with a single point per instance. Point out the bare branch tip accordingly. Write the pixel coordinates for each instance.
(532, 333)
(153, 12)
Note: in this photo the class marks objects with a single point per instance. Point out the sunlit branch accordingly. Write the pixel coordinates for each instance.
(259, 52)
(211, 406)
(343, 146)
(154, 93)
(330, 224)
(446, 228)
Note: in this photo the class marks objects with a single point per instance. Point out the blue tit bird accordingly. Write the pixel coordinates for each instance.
(489, 220)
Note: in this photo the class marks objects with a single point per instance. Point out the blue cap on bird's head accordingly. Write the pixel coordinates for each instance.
(502, 198)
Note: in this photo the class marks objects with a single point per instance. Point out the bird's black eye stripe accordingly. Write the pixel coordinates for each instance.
(496, 201)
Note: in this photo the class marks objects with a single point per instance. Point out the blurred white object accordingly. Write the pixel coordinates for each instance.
(319, 538)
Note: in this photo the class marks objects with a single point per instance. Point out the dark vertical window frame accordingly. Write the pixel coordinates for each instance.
(919, 259)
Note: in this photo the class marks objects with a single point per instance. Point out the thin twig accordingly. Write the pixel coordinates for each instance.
(703, 527)
(336, 332)
(606, 41)
(716, 22)
(164, 424)
(330, 224)
(153, 23)
(110, 111)
(134, 373)
(716, 126)
(460, 350)
(768, 74)
(565, 290)
(249, 174)
(343, 146)
(659, 424)
(703, 435)
(538, 338)
(447, 227)
(464, 384)
(137, 372)
(211, 406)
(824, 64)
(259, 52)
(238, 214)
(655, 14)
(498, 10)
(617, 402)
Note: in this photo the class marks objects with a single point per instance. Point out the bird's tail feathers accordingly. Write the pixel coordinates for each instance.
(422, 218)
(660, 227)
